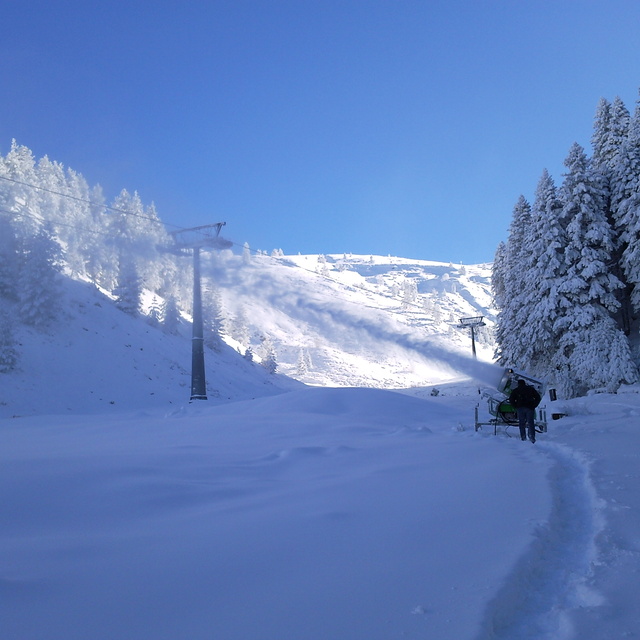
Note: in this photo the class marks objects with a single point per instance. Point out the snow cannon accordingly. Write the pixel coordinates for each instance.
(499, 408)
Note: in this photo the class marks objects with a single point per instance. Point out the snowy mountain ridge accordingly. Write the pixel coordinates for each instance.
(348, 320)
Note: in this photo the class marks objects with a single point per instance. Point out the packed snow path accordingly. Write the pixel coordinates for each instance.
(551, 579)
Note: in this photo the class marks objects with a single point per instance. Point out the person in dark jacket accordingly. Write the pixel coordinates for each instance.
(525, 399)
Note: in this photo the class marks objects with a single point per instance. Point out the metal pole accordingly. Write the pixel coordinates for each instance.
(473, 343)
(198, 382)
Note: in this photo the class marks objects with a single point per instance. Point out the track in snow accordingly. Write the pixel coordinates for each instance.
(551, 579)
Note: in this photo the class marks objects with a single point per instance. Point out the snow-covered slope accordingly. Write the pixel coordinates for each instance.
(333, 321)
(358, 320)
(97, 359)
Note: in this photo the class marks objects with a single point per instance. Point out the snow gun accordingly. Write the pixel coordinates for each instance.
(502, 412)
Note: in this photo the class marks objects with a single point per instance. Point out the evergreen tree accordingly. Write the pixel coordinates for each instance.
(321, 266)
(8, 257)
(512, 317)
(269, 360)
(303, 364)
(100, 261)
(8, 345)
(618, 132)
(499, 276)
(610, 130)
(39, 290)
(546, 270)
(128, 291)
(577, 261)
(58, 202)
(239, 329)
(589, 287)
(409, 292)
(601, 132)
(154, 317)
(590, 244)
(624, 200)
(137, 231)
(212, 317)
(18, 196)
(170, 316)
(593, 353)
(626, 203)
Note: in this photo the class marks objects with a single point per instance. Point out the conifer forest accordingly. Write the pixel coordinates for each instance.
(567, 280)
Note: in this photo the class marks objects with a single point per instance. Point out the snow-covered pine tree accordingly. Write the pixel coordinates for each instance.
(321, 266)
(39, 290)
(546, 269)
(601, 131)
(512, 316)
(269, 360)
(212, 317)
(618, 131)
(303, 364)
(101, 260)
(626, 206)
(499, 275)
(170, 316)
(8, 345)
(154, 317)
(608, 148)
(18, 193)
(61, 204)
(8, 257)
(610, 130)
(137, 231)
(589, 288)
(626, 169)
(128, 291)
(409, 292)
(238, 326)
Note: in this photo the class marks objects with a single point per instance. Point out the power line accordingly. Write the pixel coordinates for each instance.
(130, 213)
(25, 214)
(90, 202)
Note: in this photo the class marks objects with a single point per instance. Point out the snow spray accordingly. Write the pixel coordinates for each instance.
(483, 372)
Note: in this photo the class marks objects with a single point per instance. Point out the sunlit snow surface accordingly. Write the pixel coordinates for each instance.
(275, 511)
(321, 514)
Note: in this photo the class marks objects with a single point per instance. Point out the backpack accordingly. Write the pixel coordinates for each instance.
(531, 397)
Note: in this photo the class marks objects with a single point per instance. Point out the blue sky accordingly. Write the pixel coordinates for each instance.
(318, 126)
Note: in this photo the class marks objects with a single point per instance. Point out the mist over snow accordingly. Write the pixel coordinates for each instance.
(331, 321)
(359, 320)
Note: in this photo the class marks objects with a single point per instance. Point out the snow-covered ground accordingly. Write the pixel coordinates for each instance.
(279, 511)
(321, 514)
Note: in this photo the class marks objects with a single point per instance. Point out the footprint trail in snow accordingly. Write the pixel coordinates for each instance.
(551, 579)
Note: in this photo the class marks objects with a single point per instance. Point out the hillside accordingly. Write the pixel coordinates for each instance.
(97, 359)
(356, 322)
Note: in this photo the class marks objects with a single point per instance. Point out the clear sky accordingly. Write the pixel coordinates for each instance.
(398, 127)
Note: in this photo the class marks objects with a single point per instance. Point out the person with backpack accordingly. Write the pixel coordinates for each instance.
(524, 398)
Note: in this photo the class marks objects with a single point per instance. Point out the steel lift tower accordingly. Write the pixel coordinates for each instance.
(472, 323)
(196, 239)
